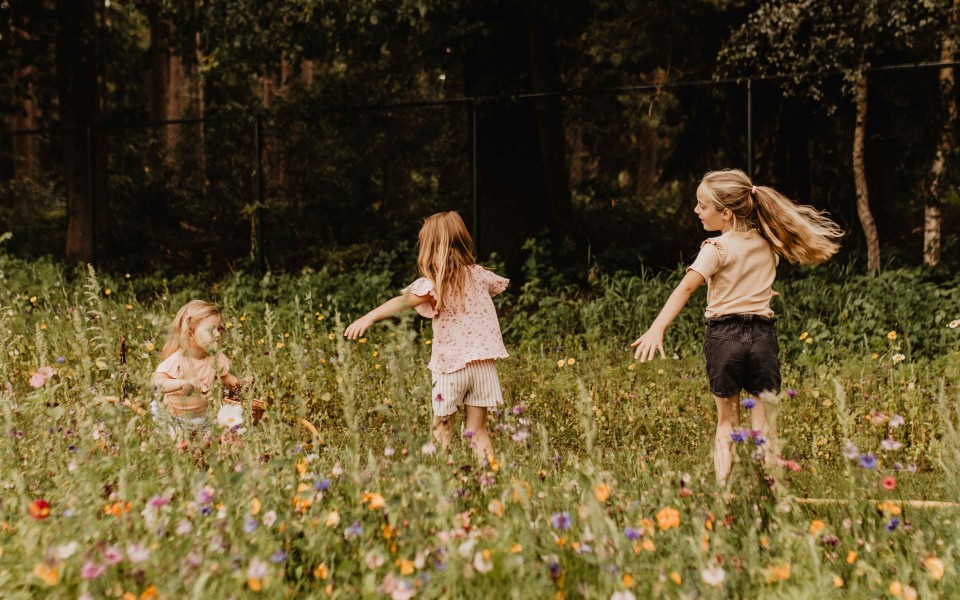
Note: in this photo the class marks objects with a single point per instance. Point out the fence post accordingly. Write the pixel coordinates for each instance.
(258, 211)
(473, 177)
(90, 198)
(750, 128)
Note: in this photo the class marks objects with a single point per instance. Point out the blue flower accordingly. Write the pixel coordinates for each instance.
(60, 360)
(748, 403)
(892, 525)
(632, 533)
(868, 461)
(561, 521)
(354, 530)
(249, 525)
(738, 436)
(322, 485)
(278, 557)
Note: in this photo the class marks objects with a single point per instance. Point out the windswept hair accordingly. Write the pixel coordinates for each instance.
(798, 232)
(446, 250)
(188, 317)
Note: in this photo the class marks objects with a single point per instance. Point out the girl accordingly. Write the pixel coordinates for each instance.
(456, 293)
(758, 226)
(190, 365)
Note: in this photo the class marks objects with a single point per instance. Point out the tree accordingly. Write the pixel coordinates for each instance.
(814, 38)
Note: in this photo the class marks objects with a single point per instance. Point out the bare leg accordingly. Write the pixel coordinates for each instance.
(728, 417)
(760, 422)
(477, 423)
(443, 430)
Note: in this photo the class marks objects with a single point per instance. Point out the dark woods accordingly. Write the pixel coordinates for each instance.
(144, 134)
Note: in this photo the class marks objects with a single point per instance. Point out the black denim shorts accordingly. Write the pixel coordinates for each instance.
(742, 354)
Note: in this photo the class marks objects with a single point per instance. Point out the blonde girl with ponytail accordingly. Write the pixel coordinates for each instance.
(191, 364)
(456, 293)
(757, 226)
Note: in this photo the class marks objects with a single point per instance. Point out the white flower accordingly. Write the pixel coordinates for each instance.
(850, 450)
(624, 595)
(482, 562)
(230, 415)
(65, 551)
(713, 576)
(890, 445)
(337, 470)
(257, 569)
(183, 527)
(954, 324)
(897, 358)
(270, 518)
(466, 548)
(428, 449)
(138, 553)
(896, 421)
(388, 451)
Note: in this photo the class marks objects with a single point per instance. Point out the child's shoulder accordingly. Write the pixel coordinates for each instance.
(170, 363)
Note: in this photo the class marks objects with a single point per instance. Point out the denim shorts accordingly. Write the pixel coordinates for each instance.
(742, 354)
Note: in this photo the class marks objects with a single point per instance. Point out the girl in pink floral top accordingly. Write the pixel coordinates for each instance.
(457, 294)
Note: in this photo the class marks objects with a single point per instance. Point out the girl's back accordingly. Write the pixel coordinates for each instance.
(740, 267)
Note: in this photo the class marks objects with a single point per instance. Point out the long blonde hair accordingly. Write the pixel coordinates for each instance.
(446, 250)
(798, 232)
(188, 317)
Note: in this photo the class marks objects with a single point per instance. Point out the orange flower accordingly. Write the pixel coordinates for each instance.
(668, 518)
(150, 593)
(496, 507)
(816, 526)
(373, 500)
(39, 509)
(406, 566)
(934, 567)
(254, 584)
(321, 572)
(46, 574)
(628, 581)
(601, 492)
(775, 573)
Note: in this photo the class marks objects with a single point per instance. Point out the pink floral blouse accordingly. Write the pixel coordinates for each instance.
(468, 332)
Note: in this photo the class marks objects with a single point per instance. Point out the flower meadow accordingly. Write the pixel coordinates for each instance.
(602, 485)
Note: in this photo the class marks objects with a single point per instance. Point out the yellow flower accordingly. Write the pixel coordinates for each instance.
(515, 548)
(896, 588)
(775, 573)
(874, 356)
(321, 571)
(302, 468)
(33, 299)
(129, 307)
(406, 566)
(254, 584)
(243, 318)
(851, 557)
(43, 325)
(668, 518)
(837, 581)
(46, 574)
(129, 596)
(362, 340)
(675, 577)
(889, 508)
(631, 367)
(331, 336)
(496, 507)
(254, 506)
(816, 526)
(373, 500)
(427, 342)
(333, 519)
(601, 492)
(648, 545)
(892, 336)
(809, 340)
(628, 581)
(286, 335)
(107, 291)
(934, 567)
(571, 361)
(279, 345)
(560, 363)
(150, 346)
(804, 335)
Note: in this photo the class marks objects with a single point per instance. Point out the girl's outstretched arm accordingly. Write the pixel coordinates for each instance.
(386, 310)
(652, 340)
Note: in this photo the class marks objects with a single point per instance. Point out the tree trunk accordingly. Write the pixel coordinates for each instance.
(26, 155)
(83, 149)
(160, 71)
(860, 176)
(932, 210)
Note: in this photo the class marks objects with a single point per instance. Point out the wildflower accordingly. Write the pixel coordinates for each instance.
(889, 508)
(561, 521)
(255, 506)
(791, 465)
(561, 363)
(249, 524)
(713, 576)
(230, 415)
(495, 507)
(816, 526)
(668, 518)
(469, 433)
(278, 557)
(675, 578)
(837, 581)
(388, 451)
(112, 555)
(183, 527)
(150, 347)
(322, 485)
(954, 324)
(39, 509)
(890, 445)
(748, 403)
(738, 435)
(775, 573)
(601, 492)
(934, 567)
(354, 530)
(65, 551)
(46, 574)
(892, 335)
(256, 573)
(270, 518)
(868, 461)
(889, 483)
(896, 421)
(632, 533)
(850, 451)
(895, 589)
(373, 500)
(792, 393)
(91, 571)
(520, 435)
(624, 595)
(804, 335)
(897, 358)
(893, 524)
(428, 449)
(333, 519)
(571, 361)
(321, 572)
(137, 553)
(482, 562)
(205, 495)
(150, 593)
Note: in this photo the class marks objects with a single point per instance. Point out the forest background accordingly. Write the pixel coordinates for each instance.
(210, 135)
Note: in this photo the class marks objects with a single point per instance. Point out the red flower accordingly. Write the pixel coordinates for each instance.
(889, 483)
(39, 509)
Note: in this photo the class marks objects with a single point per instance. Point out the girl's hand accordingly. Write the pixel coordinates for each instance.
(186, 388)
(358, 327)
(648, 345)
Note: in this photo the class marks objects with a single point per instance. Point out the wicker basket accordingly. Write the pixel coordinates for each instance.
(257, 406)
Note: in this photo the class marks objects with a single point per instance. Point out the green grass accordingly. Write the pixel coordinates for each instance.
(279, 503)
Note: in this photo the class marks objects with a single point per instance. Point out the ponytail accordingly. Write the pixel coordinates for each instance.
(798, 232)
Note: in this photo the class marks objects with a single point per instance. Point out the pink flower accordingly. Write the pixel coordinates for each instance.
(92, 570)
(37, 380)
(889, 483)
(137, 553)
(112, 555)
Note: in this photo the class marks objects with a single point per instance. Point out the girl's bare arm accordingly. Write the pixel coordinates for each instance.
(652, 340)
(391, 307)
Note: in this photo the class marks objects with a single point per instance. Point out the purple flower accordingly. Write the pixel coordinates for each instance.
(830, 540)
(518, 410)
(632, 533)
(792, 393)
(561, 521)
(868, 461)
(554, 570)
(278, 557)
(850, 450)
(323, 485)
(354, 530)
(738, 435)
(205, 495)
(158, 501)
(249, 524)
(890, 445)
(892, 525)
(468, 433)
(748, 403)
(911, 468)
(896, 421)
(520, 436)
(897, 466)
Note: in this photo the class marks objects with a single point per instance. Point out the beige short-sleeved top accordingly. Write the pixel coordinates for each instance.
(739, 267)
(462, 334)
(202, 372)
